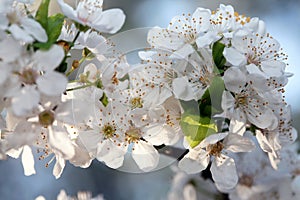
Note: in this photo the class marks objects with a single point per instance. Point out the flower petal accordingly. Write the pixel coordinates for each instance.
(28, 161)
(237, 143)
(25, 100)
(110, 21)
(12, 53)
(67, 10)
(109, 153)
(234, 57)
(145, 156)
(58, 167)
(194, 162)
(182, 89)
(49, 60)
(20, 34)
(61, 143)
(35, 29)
(52, 83)
(234, 79)
(223, 171)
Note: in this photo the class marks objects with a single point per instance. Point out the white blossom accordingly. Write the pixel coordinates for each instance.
(90, 13)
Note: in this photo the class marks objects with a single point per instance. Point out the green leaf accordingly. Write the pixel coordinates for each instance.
(42, 13)
(210, 103)
(217, 52)
(196, 128)
(55, 23)
(104, 99)
(53, 30)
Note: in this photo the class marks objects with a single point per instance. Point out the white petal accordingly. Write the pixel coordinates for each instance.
(20, 34)
(238, 41)
(201, 15)
(5, 72)
(2, 122)
(165, 39)
(189, 192)
(110, 21)
(72, 111)
(67, 10)
(81, 159)
(178, 24)
(182, 89)
(212, 139)
(10, 50)
(109, 153)
(234, 57)
(14, 153)
(237, 143)
(28, 161)
(228, 101)
(25, 133)
(194, 162)
(3, 21)
(61, 143)
(207, 39)
(52, 83)
(90, 140)
(262, 117)
(234, 79)
(223, 171)
(237, 127)
(62, 195)
(35, 29)
(273, 68)
(263, 142)
(25, 100)
(58, 167)
(49, 60)
(145, 156)
(183, 52)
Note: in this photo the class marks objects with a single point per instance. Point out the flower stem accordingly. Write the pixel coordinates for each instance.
(79, 87)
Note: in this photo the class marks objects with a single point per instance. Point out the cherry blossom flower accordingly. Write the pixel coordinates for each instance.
(258, 179)
(260, 53)
(33, 77)
(182, 33)
(104, 139)
(191, 187)
(223, 167)
(21, 27)
(81, 195)
(247, 104)
(90, 13)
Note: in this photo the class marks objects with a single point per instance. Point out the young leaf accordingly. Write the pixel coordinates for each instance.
(196, 128)
(217, 51)
(210, 103)
(55, 23)
(53, 30)
(42, 13)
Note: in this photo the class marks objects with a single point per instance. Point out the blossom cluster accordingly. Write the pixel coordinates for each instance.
(212, 82)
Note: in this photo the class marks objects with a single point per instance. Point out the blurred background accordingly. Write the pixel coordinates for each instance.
(282, 19)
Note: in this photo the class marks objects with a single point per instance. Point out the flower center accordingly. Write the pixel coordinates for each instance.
(46, 118)
(108, 131)
(246, 180)
(29, 76)
(136, 102)
(215, 149)
(241, 100)
(190, 38)
(13, 18)
(133, 134)
(252, 59)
